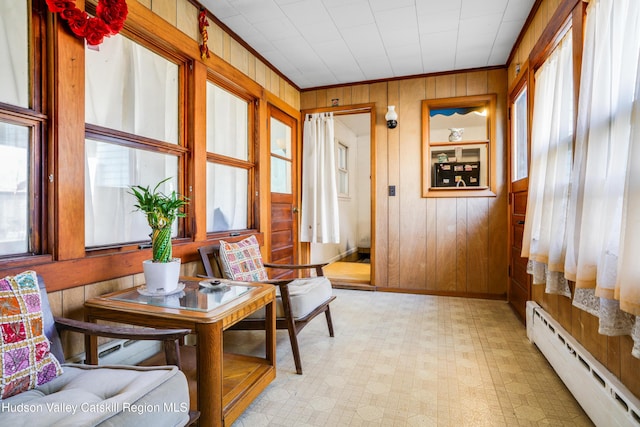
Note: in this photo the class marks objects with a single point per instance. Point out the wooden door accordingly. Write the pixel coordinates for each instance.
(283, 182)
(519, 291)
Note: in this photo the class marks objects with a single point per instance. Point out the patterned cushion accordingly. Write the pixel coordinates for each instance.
(25, 358)
(242, 261)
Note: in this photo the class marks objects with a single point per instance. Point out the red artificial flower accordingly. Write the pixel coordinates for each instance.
(95, 31)
(77, 20)
(113, 12)
(56, 6)
(109, 20)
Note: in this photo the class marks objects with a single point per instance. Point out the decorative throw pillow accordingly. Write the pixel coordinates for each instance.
(242, 261)
(25, 358)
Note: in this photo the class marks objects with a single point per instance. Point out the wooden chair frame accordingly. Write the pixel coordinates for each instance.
(293, 326)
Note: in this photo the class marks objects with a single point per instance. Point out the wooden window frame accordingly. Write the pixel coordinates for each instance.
(251, 164)
(489, 101)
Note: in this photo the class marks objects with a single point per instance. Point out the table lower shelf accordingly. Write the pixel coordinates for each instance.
(245, 377)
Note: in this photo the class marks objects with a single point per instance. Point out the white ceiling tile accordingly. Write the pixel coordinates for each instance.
(437, 22)
(475, 8)
(325, 42)
(518, 10)
(319, 31)
(267, 11)
(220, 8)
(400, 37)
(392, 19)
(306, 12)
(377, 5)
(351, 15)
(277, 30)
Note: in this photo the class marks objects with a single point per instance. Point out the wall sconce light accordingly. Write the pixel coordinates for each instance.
(391, 117)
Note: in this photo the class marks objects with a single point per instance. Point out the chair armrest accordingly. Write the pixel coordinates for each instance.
(88, 328)
(317, 267)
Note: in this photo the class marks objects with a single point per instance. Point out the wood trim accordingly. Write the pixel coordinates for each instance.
(67, 135)
(554, 31)
(524, 29)
(397, 79)
(480, 295)
(59, 275)
(489, 100)
(197, 142)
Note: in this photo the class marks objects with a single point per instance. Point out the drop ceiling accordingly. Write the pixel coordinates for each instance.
(318, 43)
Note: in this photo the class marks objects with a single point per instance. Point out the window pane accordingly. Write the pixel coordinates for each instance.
(280, 176)
(132, 89)
(519, 136)
(110, 170)
(14, 189)
(280, 139)
(227, 123)
(226, 198)
(14, 53)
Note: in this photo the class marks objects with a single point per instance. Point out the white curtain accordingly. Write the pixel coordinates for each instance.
(551, 152)
(320, 219)
(14, 53)
(605, 237)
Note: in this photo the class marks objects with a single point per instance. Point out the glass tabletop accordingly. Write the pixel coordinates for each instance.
(205, 295)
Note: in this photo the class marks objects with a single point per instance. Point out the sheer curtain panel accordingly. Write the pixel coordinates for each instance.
(551, 151)
(604, 238)
(320, 219)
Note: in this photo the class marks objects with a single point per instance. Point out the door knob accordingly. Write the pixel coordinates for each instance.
(294, 209)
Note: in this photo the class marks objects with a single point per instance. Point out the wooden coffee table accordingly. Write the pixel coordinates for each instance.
(225, 383)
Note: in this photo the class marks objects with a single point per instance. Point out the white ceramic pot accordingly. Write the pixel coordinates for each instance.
(161, 276)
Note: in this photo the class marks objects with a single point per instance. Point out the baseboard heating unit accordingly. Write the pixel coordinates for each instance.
(602, 396)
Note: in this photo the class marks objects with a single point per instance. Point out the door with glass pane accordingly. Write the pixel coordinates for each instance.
(519, 282)
(284, 212)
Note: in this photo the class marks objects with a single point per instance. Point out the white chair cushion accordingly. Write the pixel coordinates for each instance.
(86, 395)
(306, 295)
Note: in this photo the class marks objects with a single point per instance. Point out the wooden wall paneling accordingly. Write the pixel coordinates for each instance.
(477, 83)
(498, 249)
(322, 99)
(251, 72)
(430, 91)
(446, 211)
(226, 49)
(564, 315)
(432, 244)
(412, 230)
(360, 94)
(629, 366)
(378, 95)
(461, 84)
(261, 73)
(145, 3)
(478, 245)
(239, 57)
(67, 127)
(216, 40)
(166, 9)
(393, 167)
(613, 355)
(187, 19)
(445, 86)
(308, 100)
(461, 245)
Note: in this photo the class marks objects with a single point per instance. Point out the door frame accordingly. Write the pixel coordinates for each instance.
(370, 108)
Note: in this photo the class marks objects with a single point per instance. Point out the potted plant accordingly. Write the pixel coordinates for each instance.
(161, 272)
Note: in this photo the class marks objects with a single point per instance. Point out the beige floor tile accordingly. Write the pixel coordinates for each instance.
(410, 360)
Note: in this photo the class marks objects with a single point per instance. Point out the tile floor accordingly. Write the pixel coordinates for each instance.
(411, 360)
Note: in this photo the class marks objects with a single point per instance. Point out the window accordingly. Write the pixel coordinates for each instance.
(230, 164)
(458, 153)
(519, 136)
(21, 123)
(132, 136)
(281, 160)
(343, 169)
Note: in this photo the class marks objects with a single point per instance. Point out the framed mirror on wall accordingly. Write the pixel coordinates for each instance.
(458, 153)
